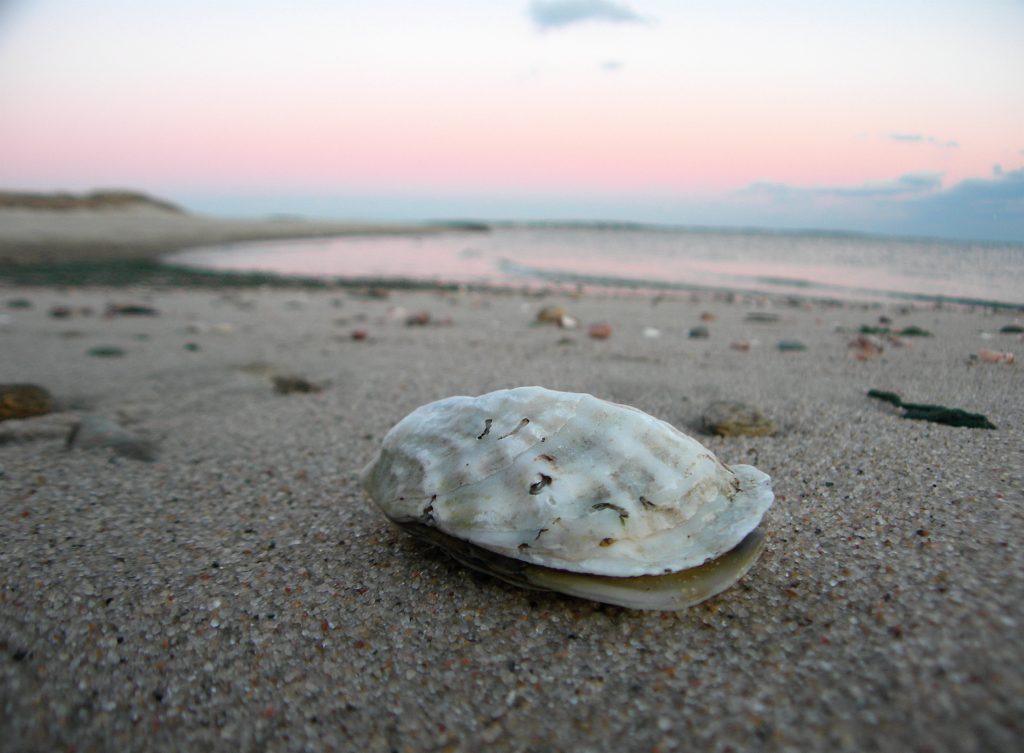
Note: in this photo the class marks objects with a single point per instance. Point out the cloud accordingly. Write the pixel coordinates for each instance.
(990, 208)
(611, 66)
(558, 14)
(920, 138)
(981, 208)
(903, 187)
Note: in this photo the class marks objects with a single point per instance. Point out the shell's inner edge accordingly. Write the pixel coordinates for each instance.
(670, 591)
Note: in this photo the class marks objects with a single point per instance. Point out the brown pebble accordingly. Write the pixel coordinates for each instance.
(740, 345)
(707, 316)
(865, 347)
(552, 314)
(24, 401)
(996, 356)
(730, 419)
(600, 331)
(286, 385)
(419, 319)
(359, 334)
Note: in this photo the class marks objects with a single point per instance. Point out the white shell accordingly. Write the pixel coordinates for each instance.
(565, 481)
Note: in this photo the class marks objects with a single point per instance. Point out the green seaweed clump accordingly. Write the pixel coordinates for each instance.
(939, 414)
(914, 331)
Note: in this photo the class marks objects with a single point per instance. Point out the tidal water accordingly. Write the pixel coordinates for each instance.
(827, 266)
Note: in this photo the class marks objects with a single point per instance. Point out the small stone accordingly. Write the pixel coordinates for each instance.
(731, 419)
(286, 385)
(202, 328)
(568, 322)
(359, 334)
(699, 333)
(707, 316)
(996, 356)
(492, 733)
(100, 431)
(60, 312)
(106, 351)
(24, 401)
(192, 347)
(865, 347)
(1008, 329)
(419, 319)
(551, 315)
(600, 331)
(129, 309)
(741, 345)
(762, 317)
(651, 333)
(19, 303)
(791, 346)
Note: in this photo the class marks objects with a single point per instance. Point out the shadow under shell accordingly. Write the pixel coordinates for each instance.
(671, 591)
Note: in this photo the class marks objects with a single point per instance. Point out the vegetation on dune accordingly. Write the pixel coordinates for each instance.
(105, 199)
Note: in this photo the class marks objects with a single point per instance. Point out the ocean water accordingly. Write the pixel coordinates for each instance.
(843, 267)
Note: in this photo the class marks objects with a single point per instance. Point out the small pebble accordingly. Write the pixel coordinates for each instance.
(763, 317)
(286, 385)
(731, 419)
(996, 356)
(100, 431)
(106, 351)
(129, 309)
(551, 315)
(24, 401)
(791, 346)
(600, 331)
(699, 333)
(865, 347)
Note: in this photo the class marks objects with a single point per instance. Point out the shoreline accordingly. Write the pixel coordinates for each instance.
(131, 246)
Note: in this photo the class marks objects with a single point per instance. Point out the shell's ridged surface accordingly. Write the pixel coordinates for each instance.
(565, 481)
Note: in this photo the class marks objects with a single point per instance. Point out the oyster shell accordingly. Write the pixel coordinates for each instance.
(567, 492)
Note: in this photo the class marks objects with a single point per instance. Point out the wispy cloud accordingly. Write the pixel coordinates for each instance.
(903, 187)
(558, 14)
(920, 138)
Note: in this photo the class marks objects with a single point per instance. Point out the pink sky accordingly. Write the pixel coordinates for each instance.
(680, 104)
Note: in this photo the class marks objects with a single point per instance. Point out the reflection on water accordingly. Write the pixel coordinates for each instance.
(828, 266)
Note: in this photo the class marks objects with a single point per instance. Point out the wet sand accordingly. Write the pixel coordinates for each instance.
(238, 592)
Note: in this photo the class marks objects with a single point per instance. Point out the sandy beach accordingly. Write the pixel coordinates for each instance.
(216, 580)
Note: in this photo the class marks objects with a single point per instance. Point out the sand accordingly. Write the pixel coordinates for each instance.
(239, 593)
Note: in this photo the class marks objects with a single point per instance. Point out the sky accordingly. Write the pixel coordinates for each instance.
(891, 116)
